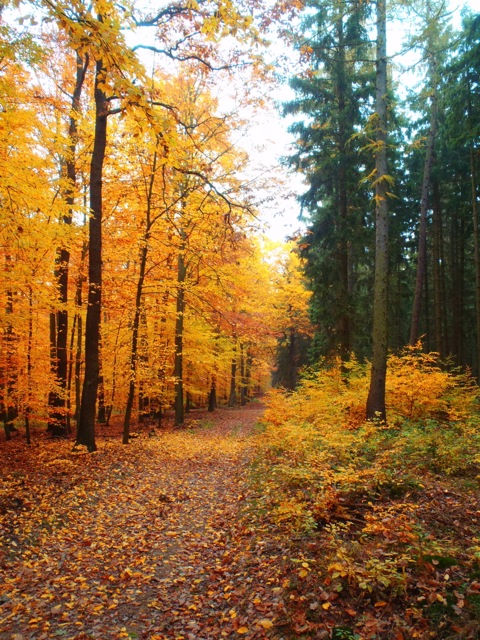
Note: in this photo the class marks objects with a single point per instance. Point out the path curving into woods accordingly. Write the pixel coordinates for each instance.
(146, 541)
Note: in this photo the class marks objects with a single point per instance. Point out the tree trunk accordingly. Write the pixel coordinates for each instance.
(28, 409)
(179, 322)
(212, 396)
(188, 402)
(376, 395)
(343, 320)
(232, 399)
(9, 410)
(134, 348)
(243, 379)
(86, 423)
(291, 379)
(248, 374)
(162, 345)
(439, 296)
(102, 412)
(457, 298)
(134, 355)
(473, 180)
(79, 330)
(59, 319)
(422, 231)
(70, 374)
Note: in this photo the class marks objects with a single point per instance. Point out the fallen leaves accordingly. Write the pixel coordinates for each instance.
(155, 541)
(143, 541)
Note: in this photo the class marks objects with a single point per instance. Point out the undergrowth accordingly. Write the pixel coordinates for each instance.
(375, 495)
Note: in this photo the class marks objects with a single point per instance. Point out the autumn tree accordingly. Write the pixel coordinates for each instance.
(291, 299)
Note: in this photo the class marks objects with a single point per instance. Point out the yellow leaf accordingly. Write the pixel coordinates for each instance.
(326, 605)
(242, 630)
(266, 623)
(303, 573)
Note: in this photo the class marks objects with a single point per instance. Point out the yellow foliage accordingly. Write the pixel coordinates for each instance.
(322, 465)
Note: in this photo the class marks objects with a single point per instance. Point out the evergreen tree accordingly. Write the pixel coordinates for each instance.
(333, 98)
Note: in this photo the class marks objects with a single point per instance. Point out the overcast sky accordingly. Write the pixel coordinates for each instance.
(271, 134)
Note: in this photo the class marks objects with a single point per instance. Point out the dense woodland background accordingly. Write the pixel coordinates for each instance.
(136, 285)
(134, 278)
(433, 137)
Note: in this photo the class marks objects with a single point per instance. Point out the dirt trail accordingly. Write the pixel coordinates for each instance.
(144, 541)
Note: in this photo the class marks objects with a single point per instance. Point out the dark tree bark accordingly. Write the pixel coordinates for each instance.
(291, 379)
(422, 231)
(9, 365)
(162, 347)
(343, 322)
(376, 395)
(134, 348)
(212, 396)
(458, 287)
(188, 402)
(102, 410)
(86, 423)
(28, 409)
(243, 378)
(179, 322)
(134, 356)
(232, 398)
(476, 233)
(58, 418)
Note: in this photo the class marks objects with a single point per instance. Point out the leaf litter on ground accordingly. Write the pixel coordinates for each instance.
(157, 541)
(141, 541)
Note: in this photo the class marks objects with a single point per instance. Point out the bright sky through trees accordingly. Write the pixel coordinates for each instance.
(271, 134)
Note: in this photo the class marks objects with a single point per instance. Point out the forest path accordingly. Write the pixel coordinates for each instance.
(145, 541)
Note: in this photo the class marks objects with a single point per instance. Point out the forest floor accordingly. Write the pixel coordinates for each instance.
(155, 541)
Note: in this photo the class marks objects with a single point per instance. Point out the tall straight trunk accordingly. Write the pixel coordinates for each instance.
(138, 304)
(28, 408)
(291, 378)
(438, 272)
(426, 303)
(59, 319)
(134, 347)
(376, 395)
(114, 376)
(8, 374)
(457, 299)
(101, 408)
(79, 329)
(243, 379)
(248, 374)
(70, 373)
(142, 358)
(232, 398)
(212, 395)
(86, 423)
(476, 238)
(343, 321)
(162, 345)
(179, 324)
(78, 356)
(422, 230)
(188, 402)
